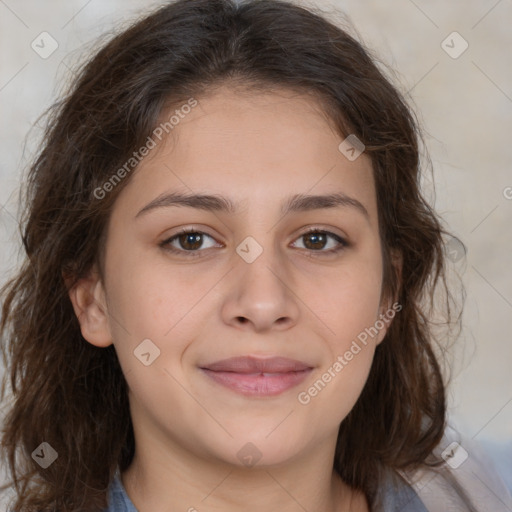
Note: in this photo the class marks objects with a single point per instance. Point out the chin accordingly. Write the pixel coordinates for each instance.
(256, 448)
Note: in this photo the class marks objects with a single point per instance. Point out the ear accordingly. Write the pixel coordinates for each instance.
(89, 303)
(390, 306)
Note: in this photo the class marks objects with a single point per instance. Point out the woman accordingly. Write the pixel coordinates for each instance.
(221, 305)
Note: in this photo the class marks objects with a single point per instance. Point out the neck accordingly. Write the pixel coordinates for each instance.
(164, 486)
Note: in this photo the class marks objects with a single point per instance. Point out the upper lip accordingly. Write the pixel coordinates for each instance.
(249, 364)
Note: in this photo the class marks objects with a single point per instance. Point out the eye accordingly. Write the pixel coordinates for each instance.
(317, 240)
(191, 240)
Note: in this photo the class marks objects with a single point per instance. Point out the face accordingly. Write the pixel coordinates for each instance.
(248, 282)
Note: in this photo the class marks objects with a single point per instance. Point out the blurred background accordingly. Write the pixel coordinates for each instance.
(451, 59)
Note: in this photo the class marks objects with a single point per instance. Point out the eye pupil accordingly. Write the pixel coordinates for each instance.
(193, 238)
(319, 237)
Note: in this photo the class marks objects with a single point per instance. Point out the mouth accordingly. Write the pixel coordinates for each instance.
(252, 376)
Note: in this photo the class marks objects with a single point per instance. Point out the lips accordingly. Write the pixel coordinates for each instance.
(254, 365)
(257, 377)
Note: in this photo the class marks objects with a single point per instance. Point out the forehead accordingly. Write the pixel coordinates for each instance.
(254, 147)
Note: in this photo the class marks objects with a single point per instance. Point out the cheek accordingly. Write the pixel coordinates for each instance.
(149, 307)
(349, 301)
(354, 309)
(148, 301)
(349, 312)
(339, 381)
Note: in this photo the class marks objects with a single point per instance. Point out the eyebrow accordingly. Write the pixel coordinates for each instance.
(217, 203)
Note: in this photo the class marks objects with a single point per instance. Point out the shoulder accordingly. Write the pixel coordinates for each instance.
(467, 481)
(118, 499)
(395, 494)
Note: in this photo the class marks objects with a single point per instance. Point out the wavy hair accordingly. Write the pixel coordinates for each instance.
(73, 395)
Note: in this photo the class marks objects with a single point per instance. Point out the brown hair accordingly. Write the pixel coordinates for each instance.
(73, 395)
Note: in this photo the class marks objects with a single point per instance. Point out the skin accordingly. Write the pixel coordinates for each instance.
(257, 149)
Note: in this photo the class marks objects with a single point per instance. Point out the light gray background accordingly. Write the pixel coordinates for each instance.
(464, 103)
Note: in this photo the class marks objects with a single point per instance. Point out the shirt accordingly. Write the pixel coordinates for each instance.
(401, 499)
(468, 470)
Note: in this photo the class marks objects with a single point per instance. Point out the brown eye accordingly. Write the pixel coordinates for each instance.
(317, 240)
(190, 241)
(186, 241)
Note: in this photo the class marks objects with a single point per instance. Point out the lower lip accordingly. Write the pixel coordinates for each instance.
(258, 384)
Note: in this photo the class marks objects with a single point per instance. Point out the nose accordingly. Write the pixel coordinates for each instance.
(261, 295)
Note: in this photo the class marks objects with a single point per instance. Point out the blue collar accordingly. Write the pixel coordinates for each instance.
(395, 495)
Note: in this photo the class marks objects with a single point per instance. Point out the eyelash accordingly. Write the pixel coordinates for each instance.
(196, 253)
